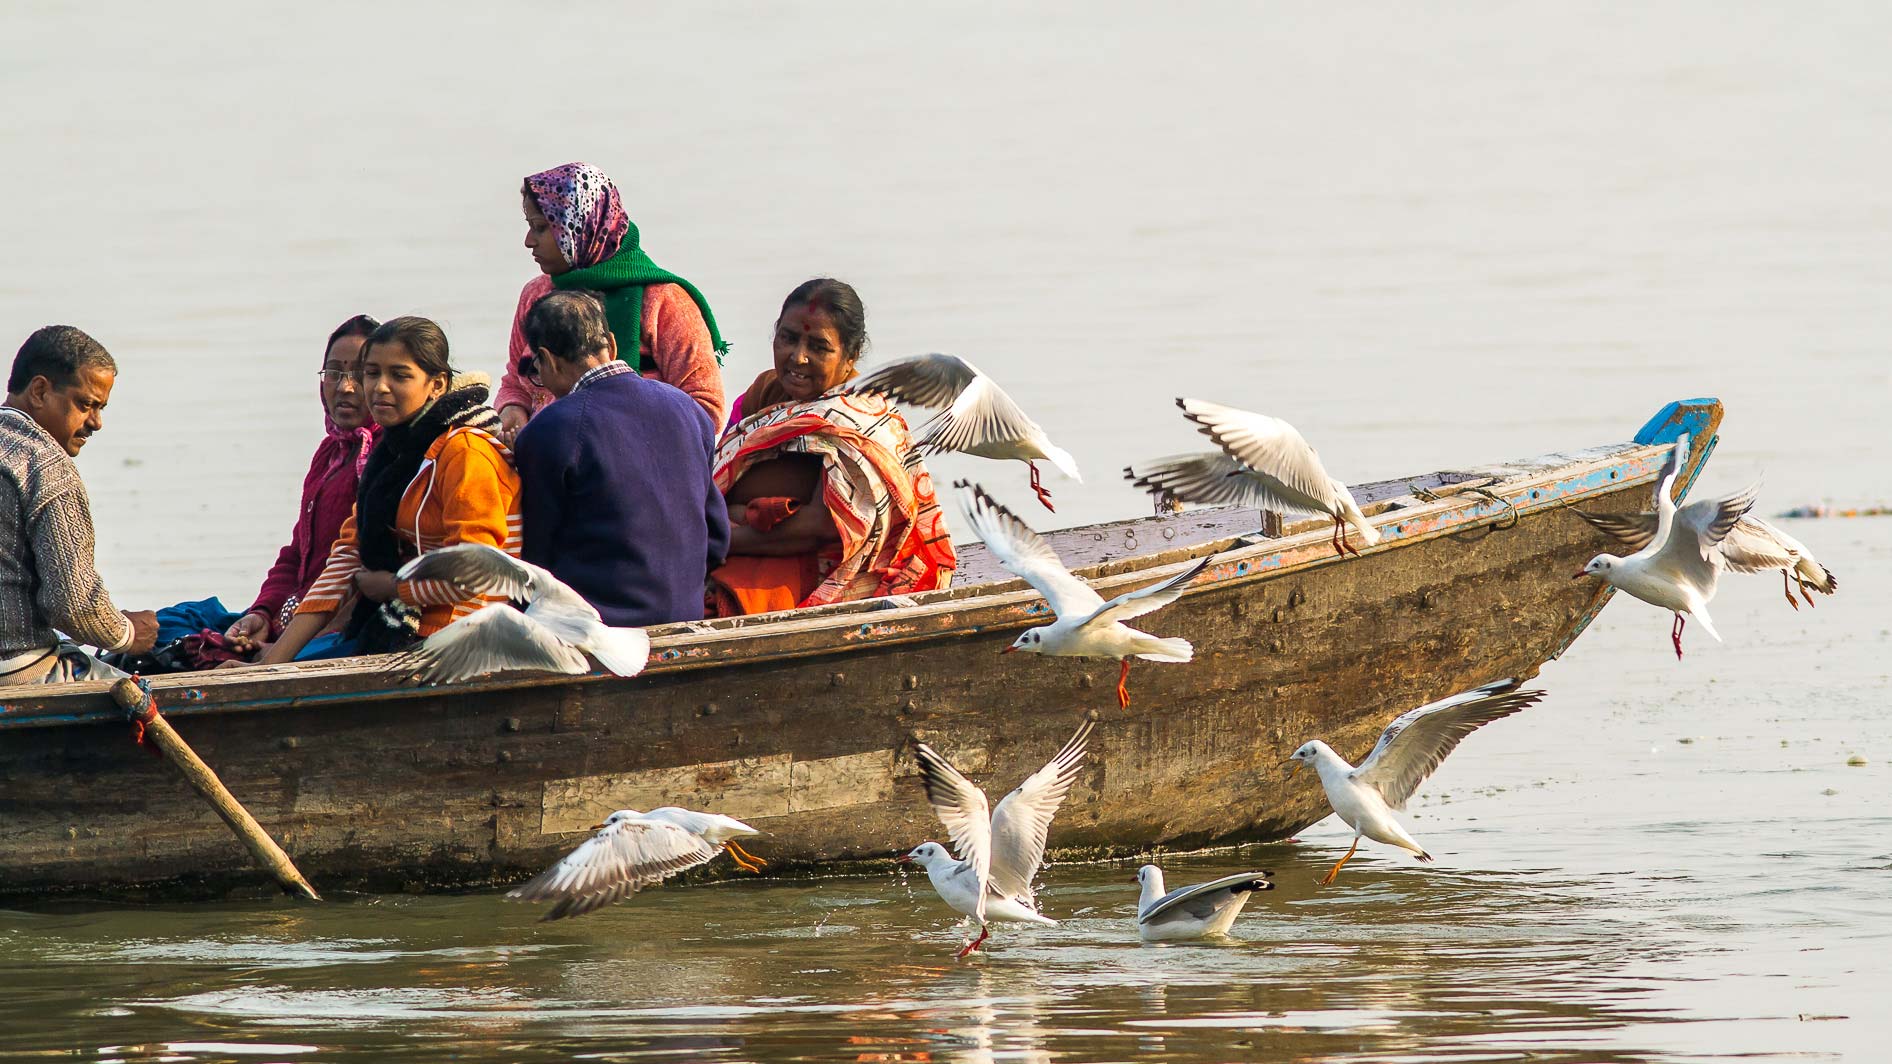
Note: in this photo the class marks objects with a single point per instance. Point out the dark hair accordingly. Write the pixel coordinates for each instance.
(422, 338)
(58, 353)
(360, 325)
(571, 325)
(841, 302)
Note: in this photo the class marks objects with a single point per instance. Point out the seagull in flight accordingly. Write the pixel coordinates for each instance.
(1087, 626)
(1265, 463)
(1409, 750)
(554, 633)
(1678, 569)
(1752, 546)
(633, 850)
(1192, 912)
(999, 852)
(979, 419)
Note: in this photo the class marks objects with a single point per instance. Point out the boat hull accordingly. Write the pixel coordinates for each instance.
(804, 725)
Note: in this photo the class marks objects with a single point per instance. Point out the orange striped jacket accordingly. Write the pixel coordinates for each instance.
(465, 492)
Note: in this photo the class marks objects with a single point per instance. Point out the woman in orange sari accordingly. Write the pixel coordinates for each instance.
(827, 500)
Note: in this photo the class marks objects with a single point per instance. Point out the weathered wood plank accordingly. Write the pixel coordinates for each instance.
(807, 722)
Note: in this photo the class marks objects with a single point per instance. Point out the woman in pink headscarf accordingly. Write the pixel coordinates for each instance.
(328, 491)
(579, 235)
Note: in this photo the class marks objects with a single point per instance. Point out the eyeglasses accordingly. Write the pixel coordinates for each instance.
(529, 369)
(336, 376)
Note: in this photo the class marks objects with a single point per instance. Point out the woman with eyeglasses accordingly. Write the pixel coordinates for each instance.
(328, 490)
(438, 475)
(580, 237)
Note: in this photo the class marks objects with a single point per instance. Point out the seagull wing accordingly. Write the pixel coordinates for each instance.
(982, 416)
(476, 568)
(1271, 446)
(1209, 479)
(1413, 745)
(1754, 546)
(1633, 531)
(1204, 900)
(1665, 499)
(494, 639)
(962, 808)
(1023, 818)
(617, 862)
(1693, 547)
(1147, 599)
(1026, 554)
(931, 381)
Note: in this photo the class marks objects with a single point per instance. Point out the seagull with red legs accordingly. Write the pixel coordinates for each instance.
(1754, 546)
(979, 418)
(1680, 567)
(1087, 626)
(1000, 850)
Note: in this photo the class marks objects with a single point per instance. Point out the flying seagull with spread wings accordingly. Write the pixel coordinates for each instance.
(1087, 626)
(1752, 546)
(633, 850)
(978, 419)
(554, 633)
(999, 851)
(1265, 463)
(1408, 751)
(1678, 569)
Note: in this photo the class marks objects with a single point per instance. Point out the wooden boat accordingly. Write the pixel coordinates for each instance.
(803, 722)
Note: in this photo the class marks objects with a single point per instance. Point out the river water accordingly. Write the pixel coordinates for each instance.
(1429, 236)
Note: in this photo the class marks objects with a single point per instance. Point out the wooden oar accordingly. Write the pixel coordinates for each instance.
(142, 708)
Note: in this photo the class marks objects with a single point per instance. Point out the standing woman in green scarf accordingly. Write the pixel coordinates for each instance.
(580, 236)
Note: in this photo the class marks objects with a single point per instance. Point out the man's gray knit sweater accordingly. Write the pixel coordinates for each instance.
(47, 579)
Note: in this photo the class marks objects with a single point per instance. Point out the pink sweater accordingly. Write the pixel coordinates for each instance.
(674, 339)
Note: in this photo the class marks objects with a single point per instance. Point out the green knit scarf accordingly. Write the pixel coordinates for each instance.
(620, 281)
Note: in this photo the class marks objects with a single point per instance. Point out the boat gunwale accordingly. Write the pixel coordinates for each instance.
(1535, 486)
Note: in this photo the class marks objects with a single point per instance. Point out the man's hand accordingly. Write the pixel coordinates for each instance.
(512, 418)
(377, 584)
(144, 631)
(248, 632)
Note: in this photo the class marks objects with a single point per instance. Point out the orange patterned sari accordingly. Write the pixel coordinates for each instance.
(893, 537)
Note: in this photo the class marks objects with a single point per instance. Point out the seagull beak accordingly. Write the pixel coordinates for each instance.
(1296, 767)
(1009, 649)
(1580, 574)
(596, 827)
(905, 858)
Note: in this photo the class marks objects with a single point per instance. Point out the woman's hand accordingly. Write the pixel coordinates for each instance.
(377, 584)
(512, 418)
(249, 630)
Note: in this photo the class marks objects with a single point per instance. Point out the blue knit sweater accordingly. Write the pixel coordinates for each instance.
(618, 502)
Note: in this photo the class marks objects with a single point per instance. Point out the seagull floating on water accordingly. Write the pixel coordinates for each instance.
(1408, 751)
(1087, 626)
(1192, 912)
(1752, 546)
(999, 853)
(1266, 464)
(979, 419)
(556, 631)
(1678, 569)
(633, 850)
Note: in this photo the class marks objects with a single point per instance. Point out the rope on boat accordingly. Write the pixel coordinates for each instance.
(144, 715)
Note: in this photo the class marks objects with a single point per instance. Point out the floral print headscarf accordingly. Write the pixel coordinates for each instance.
(586, 214)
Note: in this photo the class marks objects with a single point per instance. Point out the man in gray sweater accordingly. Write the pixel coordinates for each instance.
(56, 395)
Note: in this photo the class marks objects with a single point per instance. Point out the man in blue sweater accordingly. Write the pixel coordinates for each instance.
(617, 498)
